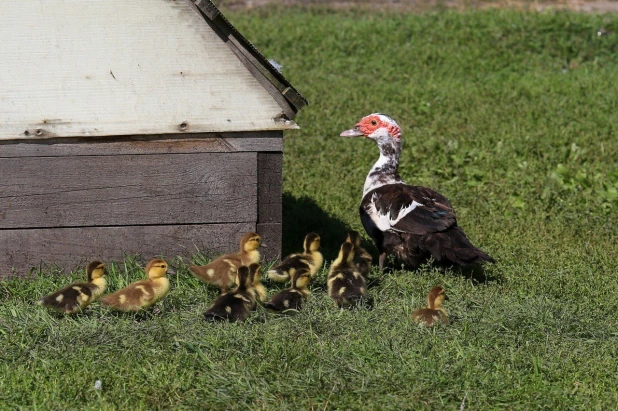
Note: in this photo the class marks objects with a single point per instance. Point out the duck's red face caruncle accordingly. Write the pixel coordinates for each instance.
(375, 126)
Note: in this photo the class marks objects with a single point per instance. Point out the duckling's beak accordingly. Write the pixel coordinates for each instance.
(445, 297)
(171, 270)
(263, 245)
(353, 132)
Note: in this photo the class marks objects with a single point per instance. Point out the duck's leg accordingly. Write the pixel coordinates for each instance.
(381, 260)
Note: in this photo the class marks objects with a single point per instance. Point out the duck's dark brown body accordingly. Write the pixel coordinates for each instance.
(410, 222)
(420, 223)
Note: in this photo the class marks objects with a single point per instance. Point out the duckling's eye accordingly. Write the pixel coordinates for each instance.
(374, 123)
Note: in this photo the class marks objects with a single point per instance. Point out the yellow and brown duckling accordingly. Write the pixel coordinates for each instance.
(362, 258)
(255, 271)
(237, 304)
(311, 258)
(77, 296)
(222, 271)
(141, 294)
(434, 313)
(292, 298)
(346, 285)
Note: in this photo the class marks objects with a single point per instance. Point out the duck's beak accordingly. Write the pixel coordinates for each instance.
(171, 270)
(353, 132)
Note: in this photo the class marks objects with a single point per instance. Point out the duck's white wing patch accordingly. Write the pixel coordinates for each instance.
(384, 221)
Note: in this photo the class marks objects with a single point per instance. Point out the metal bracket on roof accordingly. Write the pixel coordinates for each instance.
(208, 8)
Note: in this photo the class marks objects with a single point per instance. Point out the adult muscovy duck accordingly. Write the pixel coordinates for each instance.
(410, 222)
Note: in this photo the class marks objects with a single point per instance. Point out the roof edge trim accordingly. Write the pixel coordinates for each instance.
(209, 11)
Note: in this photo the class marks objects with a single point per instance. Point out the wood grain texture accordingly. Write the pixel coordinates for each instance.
(164, 144)
(265, 78)
(257, 144)
(145, 67)
(69, 248)
(83, 191)
(271, 234)
(225, 28)
(270, 182)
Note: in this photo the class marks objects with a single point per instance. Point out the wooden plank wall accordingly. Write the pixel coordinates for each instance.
(270, 214)
(65, 202)
(85, 191)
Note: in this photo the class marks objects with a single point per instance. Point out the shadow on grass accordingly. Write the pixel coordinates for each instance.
(139, 316)
(477, 273)
(302, 216)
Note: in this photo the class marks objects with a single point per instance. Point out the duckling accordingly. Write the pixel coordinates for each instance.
(346, 285)
(362, 258)
(222, 271)
(311, 259)
(434, 313)
(141, 294)
(255, 272)
(77, 296)
(292, 298)
(236, 304)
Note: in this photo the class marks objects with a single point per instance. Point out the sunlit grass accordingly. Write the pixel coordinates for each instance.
(511, 116)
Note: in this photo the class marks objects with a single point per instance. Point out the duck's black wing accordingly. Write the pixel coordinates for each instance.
(408, 209)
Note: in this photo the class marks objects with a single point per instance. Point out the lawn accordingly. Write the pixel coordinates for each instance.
(513, 116)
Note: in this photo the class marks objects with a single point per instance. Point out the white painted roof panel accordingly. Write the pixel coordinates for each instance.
(118, 67)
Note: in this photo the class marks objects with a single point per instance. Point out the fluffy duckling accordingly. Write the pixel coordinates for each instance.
(346, 285)
(310, 259)
(255, 271)
(292, 298)
(434, 313)
(362, 258)
(77, 296)
(141, 294)
(222, 271)
(236, 304)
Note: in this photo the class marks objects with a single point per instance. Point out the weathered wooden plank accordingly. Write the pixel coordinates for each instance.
(23, 250)
(257, 144)
(252, 55)
(84, 191)
(271, 233)
(266, 79)
(202, 143)
(269, 187)
(175, 75)
(269, 202)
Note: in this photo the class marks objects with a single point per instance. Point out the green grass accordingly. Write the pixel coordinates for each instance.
(512, 116)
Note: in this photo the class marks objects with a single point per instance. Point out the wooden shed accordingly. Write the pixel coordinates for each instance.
(147, 127)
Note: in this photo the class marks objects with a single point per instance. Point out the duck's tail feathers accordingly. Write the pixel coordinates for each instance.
(452, 246)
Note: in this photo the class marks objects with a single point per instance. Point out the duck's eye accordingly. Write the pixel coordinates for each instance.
(374, 123)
